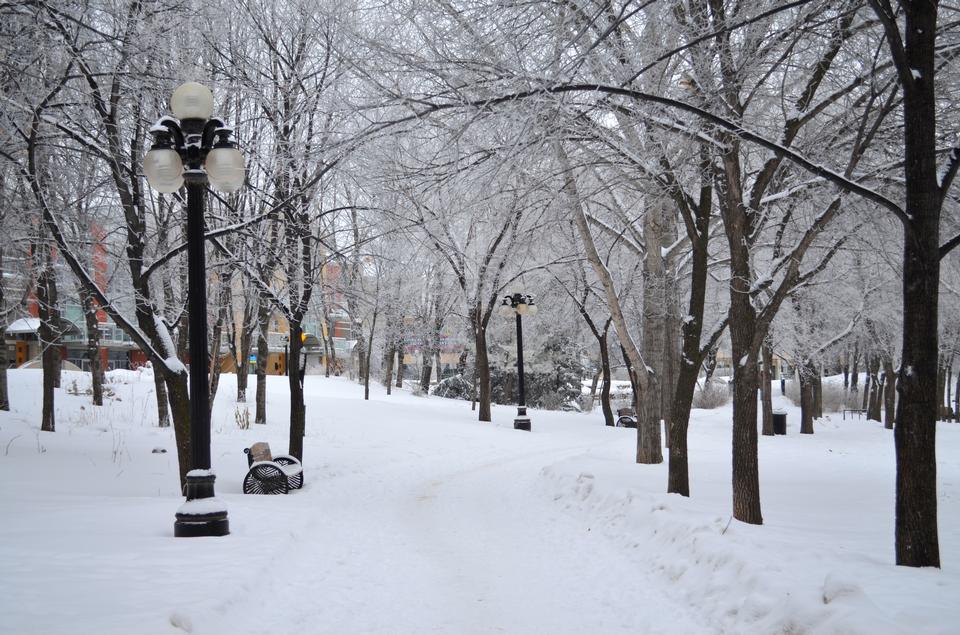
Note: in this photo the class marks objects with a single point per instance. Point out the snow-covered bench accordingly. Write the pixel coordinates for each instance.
(271, 474)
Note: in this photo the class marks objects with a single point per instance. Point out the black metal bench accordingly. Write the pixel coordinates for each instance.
(860, 412)
(626, 418)
(271, 474)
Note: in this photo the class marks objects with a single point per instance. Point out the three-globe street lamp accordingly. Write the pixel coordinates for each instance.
(519, 304)
(196, 149)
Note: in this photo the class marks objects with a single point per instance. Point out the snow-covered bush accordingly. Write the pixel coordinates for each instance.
(456, 387)
(713, 395)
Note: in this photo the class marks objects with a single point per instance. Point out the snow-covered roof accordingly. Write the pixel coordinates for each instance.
(23, 325)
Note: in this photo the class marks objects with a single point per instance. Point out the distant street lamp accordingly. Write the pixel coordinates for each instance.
(196, 149)
(286, 355)
(518, 305)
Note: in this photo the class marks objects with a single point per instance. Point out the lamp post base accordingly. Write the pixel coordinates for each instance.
(522, 422)
(202, 514)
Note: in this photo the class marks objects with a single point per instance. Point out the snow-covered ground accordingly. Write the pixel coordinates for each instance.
(415, 518)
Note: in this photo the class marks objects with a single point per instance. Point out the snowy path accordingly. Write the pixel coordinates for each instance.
(418, 519)
(453, 543)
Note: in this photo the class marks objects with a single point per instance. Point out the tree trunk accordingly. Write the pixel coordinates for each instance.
(93, 346)
(365, 364)
(482, 378)
(805, 372)
(766, 389)
(608, 418)
(876, 390)
(867, 383)
(243, 366)
(855, 370)
(263, 352)
(389, 354)
(163, 400)
(889, 394)
(47, 339)
(649, 414)
(845, 366)
(400, 364)
(426, 369)
(917, 542)
(298, 410)
(743, 325)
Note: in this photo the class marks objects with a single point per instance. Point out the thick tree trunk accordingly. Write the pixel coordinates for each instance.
(805, 372)
(766, 390)
(298, 409)
(867, 383)
(243, 366)
(608, 418)
(263, 352)
(654, 286)
(743, 327)
(400, 364)
(876, 390)
(46, 296)
(889, 394)
(691, 355)
(93, 346)
(163, 400)
(855, 370)
(483, 372)
(917, 542)
(426, 369)
(389, 354)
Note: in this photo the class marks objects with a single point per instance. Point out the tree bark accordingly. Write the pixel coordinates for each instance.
(608, 418)
(889, 394)
(400, 364)
(89, 308)
(46, 296)
(916, 534)
(805, 372)
(298, 409)
(649, 414)
(263, 352)
(482, 378)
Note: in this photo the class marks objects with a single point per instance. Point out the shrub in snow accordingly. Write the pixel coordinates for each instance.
(713, 395)
(553, 390)
(456, 387)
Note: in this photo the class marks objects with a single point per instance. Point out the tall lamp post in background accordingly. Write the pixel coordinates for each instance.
(519, 304)
(196, 149)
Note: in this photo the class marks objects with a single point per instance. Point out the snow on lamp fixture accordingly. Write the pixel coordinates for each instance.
(192, 101)
(225, 165)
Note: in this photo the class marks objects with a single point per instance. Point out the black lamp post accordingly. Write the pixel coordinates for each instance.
(196, 149)
(286, 355)
(519, 304)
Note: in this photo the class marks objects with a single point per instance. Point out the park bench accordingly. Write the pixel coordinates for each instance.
(271, 474)
(626, 418)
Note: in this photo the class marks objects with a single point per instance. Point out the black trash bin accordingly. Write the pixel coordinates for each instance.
(779, 421)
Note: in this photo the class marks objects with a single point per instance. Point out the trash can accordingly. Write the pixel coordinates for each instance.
(779, 421)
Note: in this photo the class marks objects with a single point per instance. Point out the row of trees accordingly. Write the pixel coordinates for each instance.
(664, 175)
